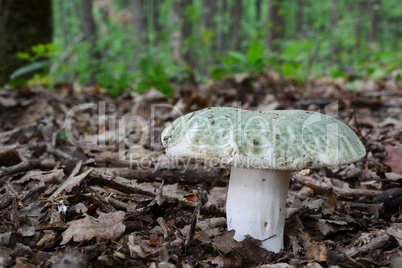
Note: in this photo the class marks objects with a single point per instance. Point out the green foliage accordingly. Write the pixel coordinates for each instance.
(40, 60)
(234, 62)
(317, 47)
(38, 51)
(153, 75)
(34, 66)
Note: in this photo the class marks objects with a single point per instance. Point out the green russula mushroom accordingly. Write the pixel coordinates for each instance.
(262, 148)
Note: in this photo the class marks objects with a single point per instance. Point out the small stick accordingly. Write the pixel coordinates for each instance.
(23, 166)
(326, 185)
(202, 199)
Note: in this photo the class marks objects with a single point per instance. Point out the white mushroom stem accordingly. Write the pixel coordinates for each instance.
(256, 205)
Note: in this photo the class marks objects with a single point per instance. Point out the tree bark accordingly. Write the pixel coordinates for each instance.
(370, 19)
(359, 21)
(258, 4)
(89, 29)
(235, 33)
(300, 19)
(276, 21)
(334, 19)
(222, 5)
(208, 17)
(182, 33)
(138, 26)
(23, 24)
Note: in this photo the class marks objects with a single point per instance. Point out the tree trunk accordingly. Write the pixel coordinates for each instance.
(370, 19)
(138, 27)
(209, 8)
(235, 34)
(300, 19)
(89, 29)
(334, 20)
(222, 5)
(258, 4)
(23, 24)
(276, 21)
(359, 22)
(182, 33)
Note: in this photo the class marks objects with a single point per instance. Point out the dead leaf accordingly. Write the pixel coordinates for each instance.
(26, 230)
(107, 226)
(225, 242)
(47, 238)
(328, 227)
(330, 202)
(9, 157)
(393, 159)
(72, 181)
(396, 231)
(193, 197)
(134, 247)
(80, 208)
(316, 252)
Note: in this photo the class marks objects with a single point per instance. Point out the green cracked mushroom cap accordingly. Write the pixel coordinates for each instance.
(283, 140)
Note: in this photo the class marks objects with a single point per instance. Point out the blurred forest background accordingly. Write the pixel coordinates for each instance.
(140, 44)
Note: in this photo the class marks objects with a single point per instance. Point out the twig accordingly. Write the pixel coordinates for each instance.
(23, 166)
(202, 199)
(358, 130)
(378, 242)
(107, 178)
(326, 185)
(164, 227)
(66, 54)
(190, 175)
(8, 135)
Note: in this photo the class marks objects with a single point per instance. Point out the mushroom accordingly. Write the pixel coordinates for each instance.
(262, 149)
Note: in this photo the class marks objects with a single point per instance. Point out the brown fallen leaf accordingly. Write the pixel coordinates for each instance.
(317, 252)
(9, 157)
(393, 159)
(225, 242)
(107, 226)
(193, 197)
(396, 231)
(72, 181)
(314, 250)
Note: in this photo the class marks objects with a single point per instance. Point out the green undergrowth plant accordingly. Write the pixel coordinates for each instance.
(39, 59)
(253, 61)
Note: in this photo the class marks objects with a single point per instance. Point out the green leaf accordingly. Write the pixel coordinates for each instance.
(30, 68)
(254, 53)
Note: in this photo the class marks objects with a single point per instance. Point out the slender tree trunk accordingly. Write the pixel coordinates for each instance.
(209, 8)
(235, 33)
(138, 27)
(155, 20)
(377, 21)
(299, 19)
(176, 36)
(207, 27)
(222, 5)
(258, 4)
(89, 29)
(334, 21)
(65, 32)
(370, 20)
(359, 21)
(180, 53)
(23, 24)
(276, 21)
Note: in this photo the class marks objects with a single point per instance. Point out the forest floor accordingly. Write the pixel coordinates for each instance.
(117, 201)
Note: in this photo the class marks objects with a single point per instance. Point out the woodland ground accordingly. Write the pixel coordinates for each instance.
(66, 206)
